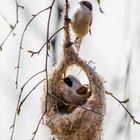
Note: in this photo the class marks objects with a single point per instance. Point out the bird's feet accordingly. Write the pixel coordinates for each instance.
(67, 19)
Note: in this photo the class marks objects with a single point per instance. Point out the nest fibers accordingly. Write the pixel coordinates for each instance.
(70, 122)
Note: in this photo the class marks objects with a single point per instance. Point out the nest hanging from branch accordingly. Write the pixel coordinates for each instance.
(68, 122)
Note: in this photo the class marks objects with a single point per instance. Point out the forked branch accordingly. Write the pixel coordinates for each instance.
(122, 104)
(11, 26)
(21, 42)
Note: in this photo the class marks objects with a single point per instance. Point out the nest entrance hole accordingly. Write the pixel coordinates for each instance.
(69, 107)
(78, 73)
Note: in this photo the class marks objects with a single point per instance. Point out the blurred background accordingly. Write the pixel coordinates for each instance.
(114, 47)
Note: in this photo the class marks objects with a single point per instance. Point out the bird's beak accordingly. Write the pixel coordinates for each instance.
(80, 3)
(62, 79)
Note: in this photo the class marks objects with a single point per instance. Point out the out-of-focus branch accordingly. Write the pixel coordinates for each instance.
(53, 42)
(122, 104)
(6, 20)
(100, 6)
(11, 26)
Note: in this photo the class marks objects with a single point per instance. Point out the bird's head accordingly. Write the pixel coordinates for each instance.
(86, 4)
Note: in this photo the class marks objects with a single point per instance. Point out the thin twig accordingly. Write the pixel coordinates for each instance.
(38, 52)
(36, 130)
(127, 81)
(46, 68)
(121, 103)
(63, 102)
(6, 20)
(12, 26)
(21, 103)
(15, 116)
(22, 88)
(91, 110)
(31, 78)
(18, 107)
(100, 8)
(17, 76)
(20, 48)
(47, 46)
(58, 99)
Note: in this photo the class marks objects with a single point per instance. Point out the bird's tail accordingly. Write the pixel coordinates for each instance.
(77, 44)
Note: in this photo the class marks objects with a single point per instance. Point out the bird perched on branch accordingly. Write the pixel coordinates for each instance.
(74, 92)
(81, 22)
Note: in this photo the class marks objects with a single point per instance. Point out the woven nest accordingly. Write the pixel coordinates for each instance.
(68, 122)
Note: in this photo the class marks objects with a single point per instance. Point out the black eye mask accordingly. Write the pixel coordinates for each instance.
(68, 81)
(88, 5)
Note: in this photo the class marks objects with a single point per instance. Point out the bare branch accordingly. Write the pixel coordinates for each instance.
(6, 20)
(36, 130)
(87, 109)
(22, 88)
(32, 78)
(63, 102)
(15, 116)
(100, 7)
(38, 52)
(46, 68)
(21, 103)
(47, 46)
(20, 48)
(121, 103)
(19, 106)
(58, 99)
(11, 26)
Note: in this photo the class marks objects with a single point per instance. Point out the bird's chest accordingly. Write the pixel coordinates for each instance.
(83, 17)
(81, 22)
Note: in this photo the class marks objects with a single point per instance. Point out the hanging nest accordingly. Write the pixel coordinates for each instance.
(67, 121)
